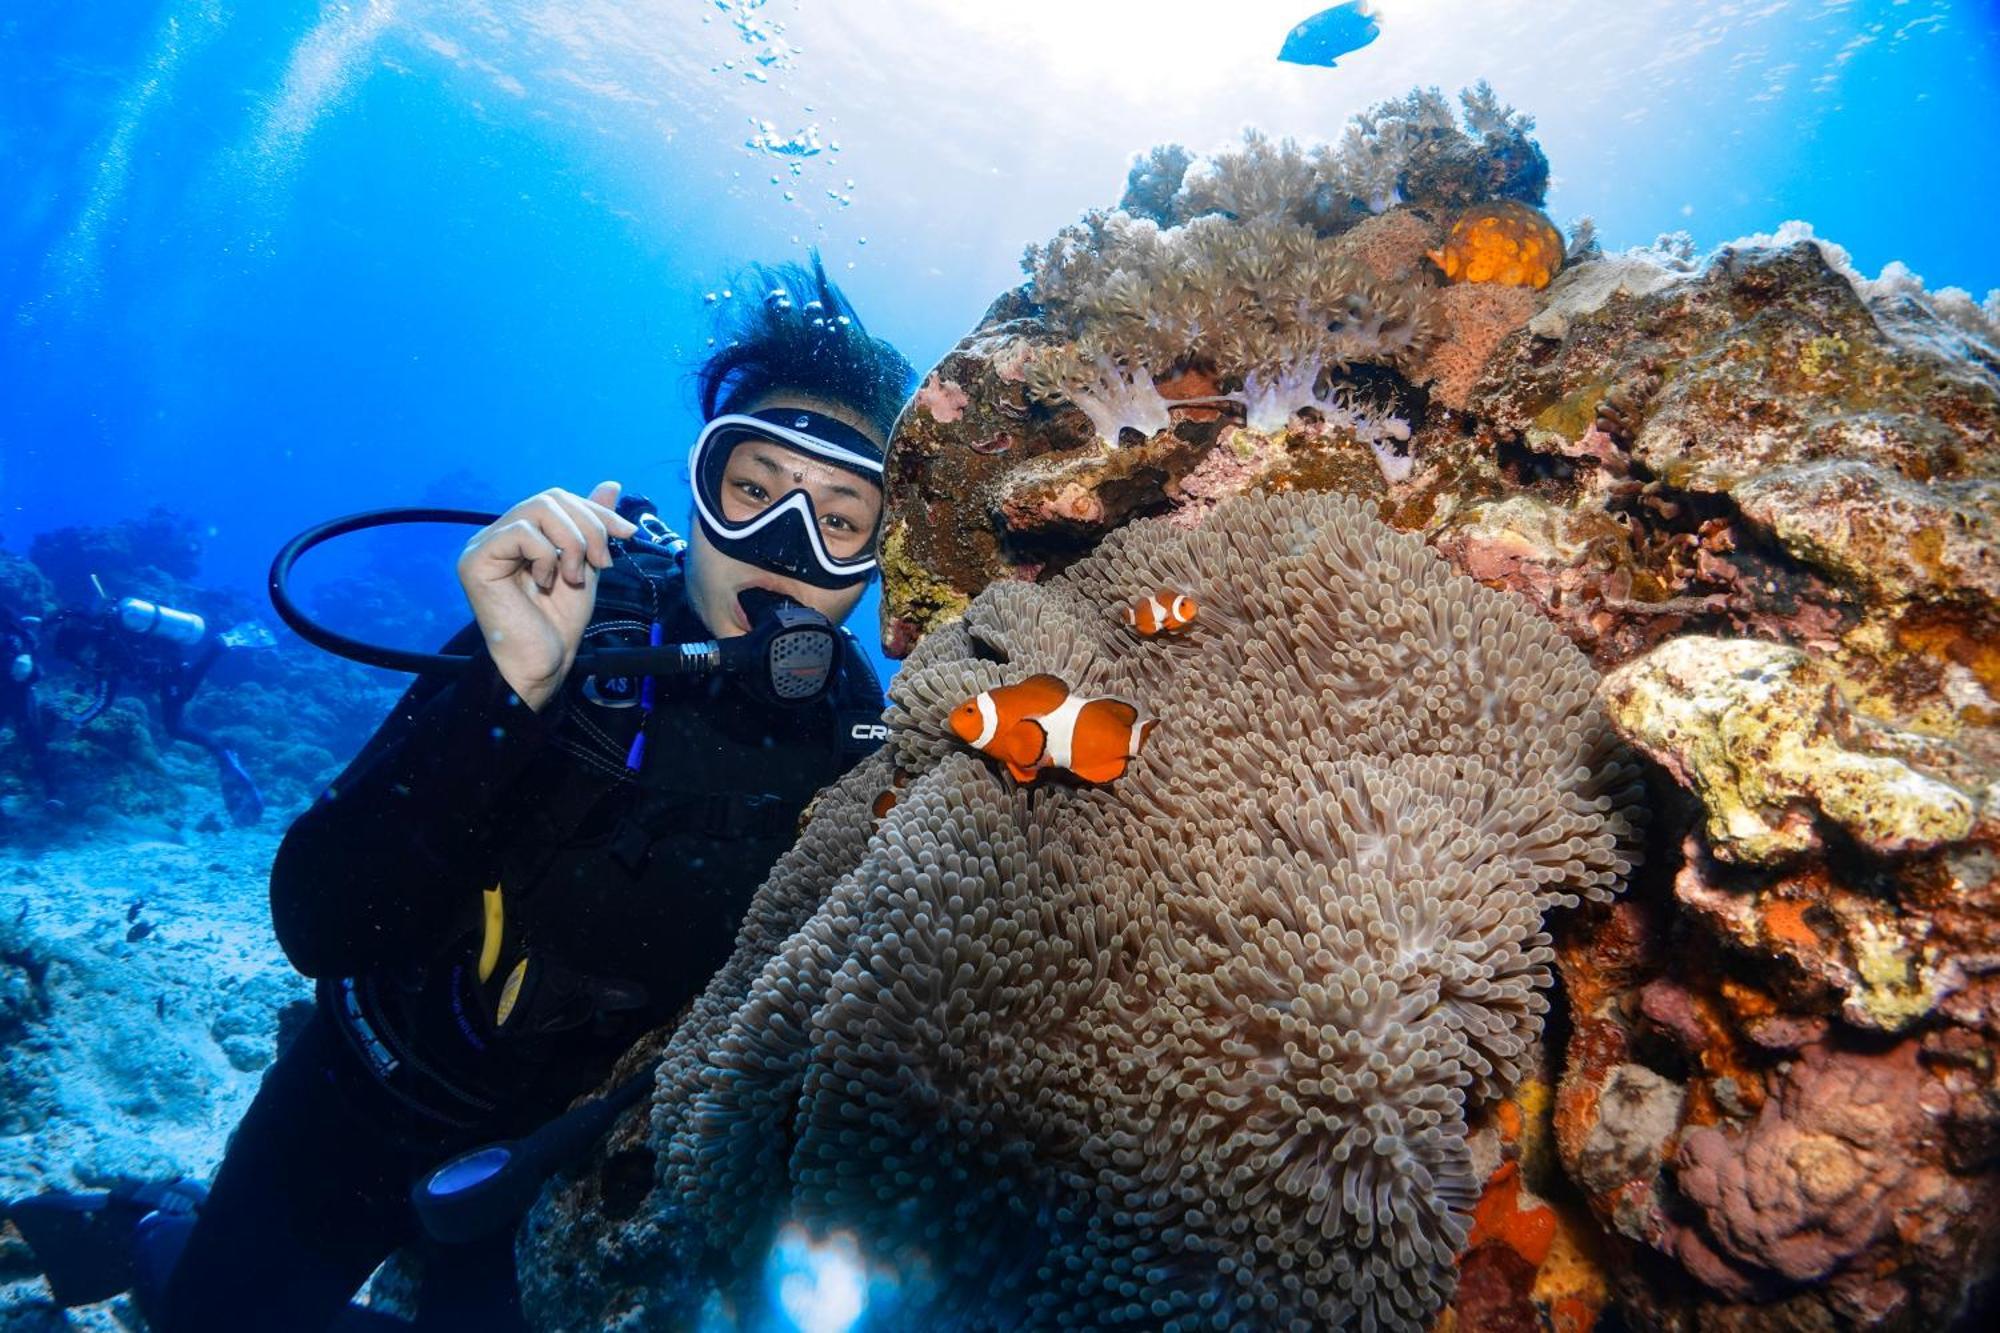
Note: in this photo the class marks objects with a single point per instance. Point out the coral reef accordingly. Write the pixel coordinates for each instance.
(1826, 1168)
(1263, 301)
(1235, 264)
(24, 589)
(1197, 1048)
(1290, 290)
(1761, 490)
(1756, 730)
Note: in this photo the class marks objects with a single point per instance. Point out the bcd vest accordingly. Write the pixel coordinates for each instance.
(620, 891)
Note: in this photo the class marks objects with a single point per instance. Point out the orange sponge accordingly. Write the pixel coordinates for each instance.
(1499, 1217)
(1504, 242)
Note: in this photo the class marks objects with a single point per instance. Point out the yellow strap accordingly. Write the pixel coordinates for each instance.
(496, 929)
(509, 993)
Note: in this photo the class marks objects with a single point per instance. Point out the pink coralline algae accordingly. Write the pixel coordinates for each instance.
(1830, 1166)
(1239, 458)
(944, 400)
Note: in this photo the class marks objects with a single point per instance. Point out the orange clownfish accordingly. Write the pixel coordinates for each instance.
(1038, 724)
(885, 800)
(1163, 611)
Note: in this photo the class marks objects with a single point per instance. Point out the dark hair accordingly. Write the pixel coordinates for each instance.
(789, 327)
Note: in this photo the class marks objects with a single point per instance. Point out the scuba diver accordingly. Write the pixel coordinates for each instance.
(129, 642)
(20, 709)
(530, 865)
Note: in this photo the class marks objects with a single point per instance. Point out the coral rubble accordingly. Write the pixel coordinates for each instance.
(1196, 1049)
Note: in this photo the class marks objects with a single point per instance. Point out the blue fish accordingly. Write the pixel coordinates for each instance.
(1330, 34)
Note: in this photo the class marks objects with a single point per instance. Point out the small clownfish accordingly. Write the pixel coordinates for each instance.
(1038, 724)
(885, 800)
(1163, 612)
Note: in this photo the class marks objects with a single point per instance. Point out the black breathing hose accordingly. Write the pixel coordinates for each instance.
(318, 635)
(666, 660)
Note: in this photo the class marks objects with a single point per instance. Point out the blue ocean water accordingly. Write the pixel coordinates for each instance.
(265, 263)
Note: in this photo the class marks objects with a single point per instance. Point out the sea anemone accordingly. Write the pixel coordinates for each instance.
(1194, 1050)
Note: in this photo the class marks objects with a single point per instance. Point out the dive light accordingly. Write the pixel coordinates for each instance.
(477, 1193)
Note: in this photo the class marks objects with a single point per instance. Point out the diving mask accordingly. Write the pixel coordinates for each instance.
(785, 536)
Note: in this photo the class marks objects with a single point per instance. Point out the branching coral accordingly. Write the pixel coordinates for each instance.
(1153, 181)
(1193, 1050)
(1236, 263)
(1377, 144)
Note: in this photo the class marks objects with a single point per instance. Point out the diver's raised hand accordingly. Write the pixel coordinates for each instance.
(531, 576)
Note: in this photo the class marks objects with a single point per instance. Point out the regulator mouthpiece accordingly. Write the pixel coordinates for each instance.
(789, 655)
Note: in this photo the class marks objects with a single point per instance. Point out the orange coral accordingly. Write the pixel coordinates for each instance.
(1505, 242)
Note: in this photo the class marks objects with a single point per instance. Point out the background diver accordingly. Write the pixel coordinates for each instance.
(523, 871)
(21, 710)
(125, 645)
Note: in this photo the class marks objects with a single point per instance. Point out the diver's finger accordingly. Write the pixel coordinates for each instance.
(605, 496)
(513, 545)
(550, 515)
(589, 521)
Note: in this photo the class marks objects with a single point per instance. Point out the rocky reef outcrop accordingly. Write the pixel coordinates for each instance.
(1757, 490)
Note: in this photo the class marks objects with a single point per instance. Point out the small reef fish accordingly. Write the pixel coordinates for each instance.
(1330, 34)
(885, 800)
(1163, 612)
(1037, 724)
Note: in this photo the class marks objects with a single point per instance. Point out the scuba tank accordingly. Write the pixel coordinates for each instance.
(144, 619)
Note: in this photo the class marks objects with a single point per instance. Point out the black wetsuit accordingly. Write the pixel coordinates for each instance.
(620, 894)
(19, 708)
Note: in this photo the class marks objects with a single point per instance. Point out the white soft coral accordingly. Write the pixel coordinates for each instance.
(1117, 397)
(1270, 401)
